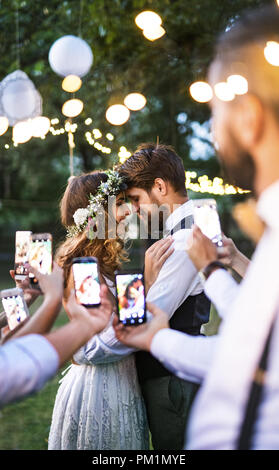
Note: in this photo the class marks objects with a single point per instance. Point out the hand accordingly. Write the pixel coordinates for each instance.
(30, 295)
(140, 337)
(51, 285)
(155, 256)
(228, 252)
(200, 249)
(95, 319)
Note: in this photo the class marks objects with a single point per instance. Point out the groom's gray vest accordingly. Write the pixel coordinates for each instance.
(188, 318)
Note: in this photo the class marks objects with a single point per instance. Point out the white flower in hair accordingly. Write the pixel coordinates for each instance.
(80, 216)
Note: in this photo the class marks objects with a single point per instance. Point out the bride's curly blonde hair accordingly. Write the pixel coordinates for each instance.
(110, 252)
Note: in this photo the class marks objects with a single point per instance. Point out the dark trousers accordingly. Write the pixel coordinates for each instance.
(168, 401)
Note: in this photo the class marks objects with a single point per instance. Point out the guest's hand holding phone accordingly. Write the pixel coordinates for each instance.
(141, 337)
(94, 319)
(200, 249)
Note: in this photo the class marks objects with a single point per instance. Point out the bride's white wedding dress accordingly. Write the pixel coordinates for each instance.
(99, 405)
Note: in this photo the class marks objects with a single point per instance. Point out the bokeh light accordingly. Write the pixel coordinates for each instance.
(201, 92)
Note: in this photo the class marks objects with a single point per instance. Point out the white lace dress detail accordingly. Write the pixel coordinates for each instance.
(99, 405)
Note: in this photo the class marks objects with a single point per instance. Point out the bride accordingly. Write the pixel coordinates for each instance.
(98, 405)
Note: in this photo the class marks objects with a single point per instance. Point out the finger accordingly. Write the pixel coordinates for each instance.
(34, 271)
(165, 256)
(162, 245)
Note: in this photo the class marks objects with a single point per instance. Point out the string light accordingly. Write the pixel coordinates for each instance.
(271, 52)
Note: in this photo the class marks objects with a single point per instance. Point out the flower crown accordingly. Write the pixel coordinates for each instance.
(86, 217)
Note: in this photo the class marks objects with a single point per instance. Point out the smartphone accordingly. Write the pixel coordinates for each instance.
(40, 255)
(86, 281)
(130, 296)
(22, 247)
(206, 217)
(15, 306)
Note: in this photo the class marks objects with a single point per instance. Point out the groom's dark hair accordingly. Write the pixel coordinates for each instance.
(151, 161)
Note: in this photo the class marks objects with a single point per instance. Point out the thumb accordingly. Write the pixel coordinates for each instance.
(152, 308)
(34, 271)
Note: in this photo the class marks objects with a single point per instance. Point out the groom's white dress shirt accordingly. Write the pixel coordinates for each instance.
(26, 364)
(219, 407)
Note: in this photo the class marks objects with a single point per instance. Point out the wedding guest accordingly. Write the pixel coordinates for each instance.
(33, 355)
(238, 400)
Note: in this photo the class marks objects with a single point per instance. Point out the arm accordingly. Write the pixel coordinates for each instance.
(27, 363)
(220, 287)
(232, 257)
(177, 279)
(186, 356)
(43, 319)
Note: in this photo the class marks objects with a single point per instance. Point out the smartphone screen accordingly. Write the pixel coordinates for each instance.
(15, 309)
(40, 254)
(22, 247)
(131, 298)
(206, 217)
(86, 281)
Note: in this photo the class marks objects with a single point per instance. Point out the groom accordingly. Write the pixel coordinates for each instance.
(156, 188)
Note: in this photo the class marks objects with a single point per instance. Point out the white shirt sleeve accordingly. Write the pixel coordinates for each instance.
(102, 349)
(177, 279)
(222, 290)
(188, 357)
(26, 364)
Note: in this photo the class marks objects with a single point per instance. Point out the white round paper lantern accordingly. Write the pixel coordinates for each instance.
(4, 124)
(117, 114)
(70, 55)
(19, 99)
(22, 131)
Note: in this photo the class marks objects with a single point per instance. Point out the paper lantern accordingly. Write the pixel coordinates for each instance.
(70, 55)
(22, 132)
(71, 83)
(117, 114)
(4, 124)
(72, 108)
(135, 101)
(19, 99)
(40, 126)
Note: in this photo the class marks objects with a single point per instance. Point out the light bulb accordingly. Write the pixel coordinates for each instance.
(117, 114)
(201, 92)
(148, 19)
(72, 108)
(71, 83)
(135, 101)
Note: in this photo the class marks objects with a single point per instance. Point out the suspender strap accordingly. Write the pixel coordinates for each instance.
(187, 222)
(251, 413)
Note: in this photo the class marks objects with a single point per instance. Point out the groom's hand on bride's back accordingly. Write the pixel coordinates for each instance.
(140, 337)
(95, 319)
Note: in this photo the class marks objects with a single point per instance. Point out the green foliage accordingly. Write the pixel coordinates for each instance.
(33, 175)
